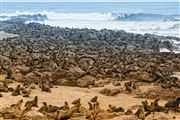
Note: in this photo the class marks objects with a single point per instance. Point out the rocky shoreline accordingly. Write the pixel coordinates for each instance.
(43, 56)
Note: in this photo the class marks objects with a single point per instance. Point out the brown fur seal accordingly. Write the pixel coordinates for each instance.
(32, 103)
(76, 101)
(65, 115)
(18, 104)
(16, 91)
(44, 108)
(94, 99)
(65, 106)
(129, 112)
(174, 104)
(140, 113)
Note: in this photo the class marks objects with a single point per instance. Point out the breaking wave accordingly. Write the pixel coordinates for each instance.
(97, 16)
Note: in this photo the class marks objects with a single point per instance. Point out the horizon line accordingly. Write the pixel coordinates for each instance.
(90, 2)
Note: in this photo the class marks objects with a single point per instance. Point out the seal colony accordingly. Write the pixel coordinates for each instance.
(115, 63)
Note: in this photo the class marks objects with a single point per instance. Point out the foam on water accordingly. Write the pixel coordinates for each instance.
(99, 16)
(164, 50)
(142, 27)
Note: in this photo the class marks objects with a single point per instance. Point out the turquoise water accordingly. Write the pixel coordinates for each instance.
(154, 8)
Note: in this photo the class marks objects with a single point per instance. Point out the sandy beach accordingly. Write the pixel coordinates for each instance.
(60, 94)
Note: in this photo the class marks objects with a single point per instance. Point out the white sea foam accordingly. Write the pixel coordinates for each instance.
(98, 16)
(142, 27)
(164, 50)
(119, 21)
(66, 16)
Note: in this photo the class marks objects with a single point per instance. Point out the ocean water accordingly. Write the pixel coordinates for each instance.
(154, 18)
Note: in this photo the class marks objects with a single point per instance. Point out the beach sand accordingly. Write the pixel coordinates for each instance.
(59, 94)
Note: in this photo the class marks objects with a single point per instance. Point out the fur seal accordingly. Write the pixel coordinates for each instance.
(52, 108)
(90, 105)
(157, 107)
(76, 101)
(27, 109)
(129, 112)
(92, 114)
(44, 108)
(65, 106)
(18, 104)
(16, 91)
(65, 115)
(32, 103)
(115, 109)
(140, 113)
(147, 107)
(94, 99)
(174, 104)
(57, 115)
(46, 88)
